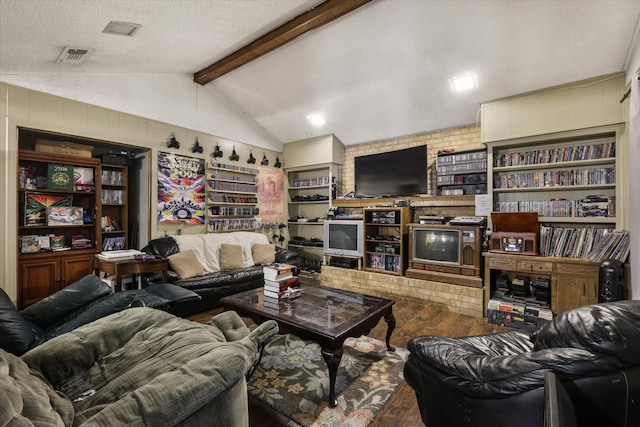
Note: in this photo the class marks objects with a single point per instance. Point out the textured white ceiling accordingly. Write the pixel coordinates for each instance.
(378, 72)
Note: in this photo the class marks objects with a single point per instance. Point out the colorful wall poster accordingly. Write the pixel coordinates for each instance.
(271, 195)
(181, 189)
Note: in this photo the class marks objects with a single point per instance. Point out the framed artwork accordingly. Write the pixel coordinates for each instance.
(181, 189)
(61, 215)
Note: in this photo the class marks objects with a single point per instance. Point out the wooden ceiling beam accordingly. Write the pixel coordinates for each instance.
(315, 18)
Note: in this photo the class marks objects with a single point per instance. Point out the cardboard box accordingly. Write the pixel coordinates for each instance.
(64, 147)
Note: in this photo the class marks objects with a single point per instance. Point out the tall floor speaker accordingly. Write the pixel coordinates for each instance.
(611, 281)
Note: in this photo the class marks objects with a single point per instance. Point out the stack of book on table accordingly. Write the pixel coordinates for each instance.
(279, 282)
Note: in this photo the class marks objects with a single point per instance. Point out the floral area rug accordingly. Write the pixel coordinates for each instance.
(292, 378)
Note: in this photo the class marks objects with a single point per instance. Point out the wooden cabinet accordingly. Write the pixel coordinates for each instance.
(40, 275)
(55, 246)
(574, 282)
(232, 198)
(114, 220)
(386, 239)
(574, 285)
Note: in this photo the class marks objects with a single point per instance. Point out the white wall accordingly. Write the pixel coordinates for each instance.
(172, 99)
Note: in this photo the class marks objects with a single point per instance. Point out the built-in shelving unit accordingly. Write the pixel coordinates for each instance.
(311, 191)
(386, 239)
(231, 197)
(566, 178)
(462, 173)
(114, 217)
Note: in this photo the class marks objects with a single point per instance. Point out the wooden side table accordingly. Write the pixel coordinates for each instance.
(119, 267)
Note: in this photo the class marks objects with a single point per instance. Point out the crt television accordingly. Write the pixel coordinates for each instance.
(455, 249)
(394, 173)
(344, 237)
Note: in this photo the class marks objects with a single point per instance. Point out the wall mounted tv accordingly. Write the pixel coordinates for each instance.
(391, 174)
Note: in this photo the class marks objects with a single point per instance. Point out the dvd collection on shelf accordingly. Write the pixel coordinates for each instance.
(522, 302)
(230, 224)
(112, 177)
(558, 178)
(114, 243)
(556, 154)
(232, 186)
(384, 262)
(310, 182)
(590, 206)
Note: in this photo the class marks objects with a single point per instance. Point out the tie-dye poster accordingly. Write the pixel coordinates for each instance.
(181, 189)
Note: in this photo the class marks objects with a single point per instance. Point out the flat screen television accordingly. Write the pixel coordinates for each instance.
(344, 237)
(391, 174)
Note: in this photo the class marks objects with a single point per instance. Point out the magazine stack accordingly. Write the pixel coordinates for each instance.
(279, 282)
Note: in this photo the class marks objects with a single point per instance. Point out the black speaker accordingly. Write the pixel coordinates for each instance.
(611, 281)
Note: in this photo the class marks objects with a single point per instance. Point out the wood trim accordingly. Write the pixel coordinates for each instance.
(315, 18)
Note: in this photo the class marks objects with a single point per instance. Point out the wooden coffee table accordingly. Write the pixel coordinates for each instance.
(325, 315)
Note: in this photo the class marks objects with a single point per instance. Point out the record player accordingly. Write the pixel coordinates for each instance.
(514, 233)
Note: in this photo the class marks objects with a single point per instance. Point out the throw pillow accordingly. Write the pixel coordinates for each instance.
(230, 257)
(186, 264)
(263, 253)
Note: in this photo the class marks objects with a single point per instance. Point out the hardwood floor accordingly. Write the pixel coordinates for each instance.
(412, 319)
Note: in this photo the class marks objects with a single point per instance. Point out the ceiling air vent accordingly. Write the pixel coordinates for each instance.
(73, 55)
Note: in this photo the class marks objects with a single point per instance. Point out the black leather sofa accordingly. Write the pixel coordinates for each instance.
(498, 379)
(210, 286)
(75, 305)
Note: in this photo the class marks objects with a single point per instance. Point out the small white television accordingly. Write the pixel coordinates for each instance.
(344, 237)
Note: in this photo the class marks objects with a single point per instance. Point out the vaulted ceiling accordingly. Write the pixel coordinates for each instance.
(380, 71)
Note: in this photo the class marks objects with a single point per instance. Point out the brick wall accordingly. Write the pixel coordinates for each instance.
(459, 138)
(459, 299)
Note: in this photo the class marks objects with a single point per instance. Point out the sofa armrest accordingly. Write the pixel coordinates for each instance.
(65, 301)
(162, 247)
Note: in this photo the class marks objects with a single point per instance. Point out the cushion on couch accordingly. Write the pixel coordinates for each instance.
(186, 264)
(263, 253)
(230, 257)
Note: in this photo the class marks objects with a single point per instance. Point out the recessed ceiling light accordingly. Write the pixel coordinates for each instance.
(463, 82)
(316, 119)
(120, 28)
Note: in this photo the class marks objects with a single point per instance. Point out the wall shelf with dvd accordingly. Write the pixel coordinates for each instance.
(461, 173)
(231, 197)
(569, 177)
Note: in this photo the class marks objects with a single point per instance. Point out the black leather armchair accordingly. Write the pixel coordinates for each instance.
(73, 306)
(498, 379)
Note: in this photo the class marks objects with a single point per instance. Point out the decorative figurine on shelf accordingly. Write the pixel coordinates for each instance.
(265, 161)
(173, 142)
(251, 160)
(197, 148)
(217, 152)
(277, 164)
